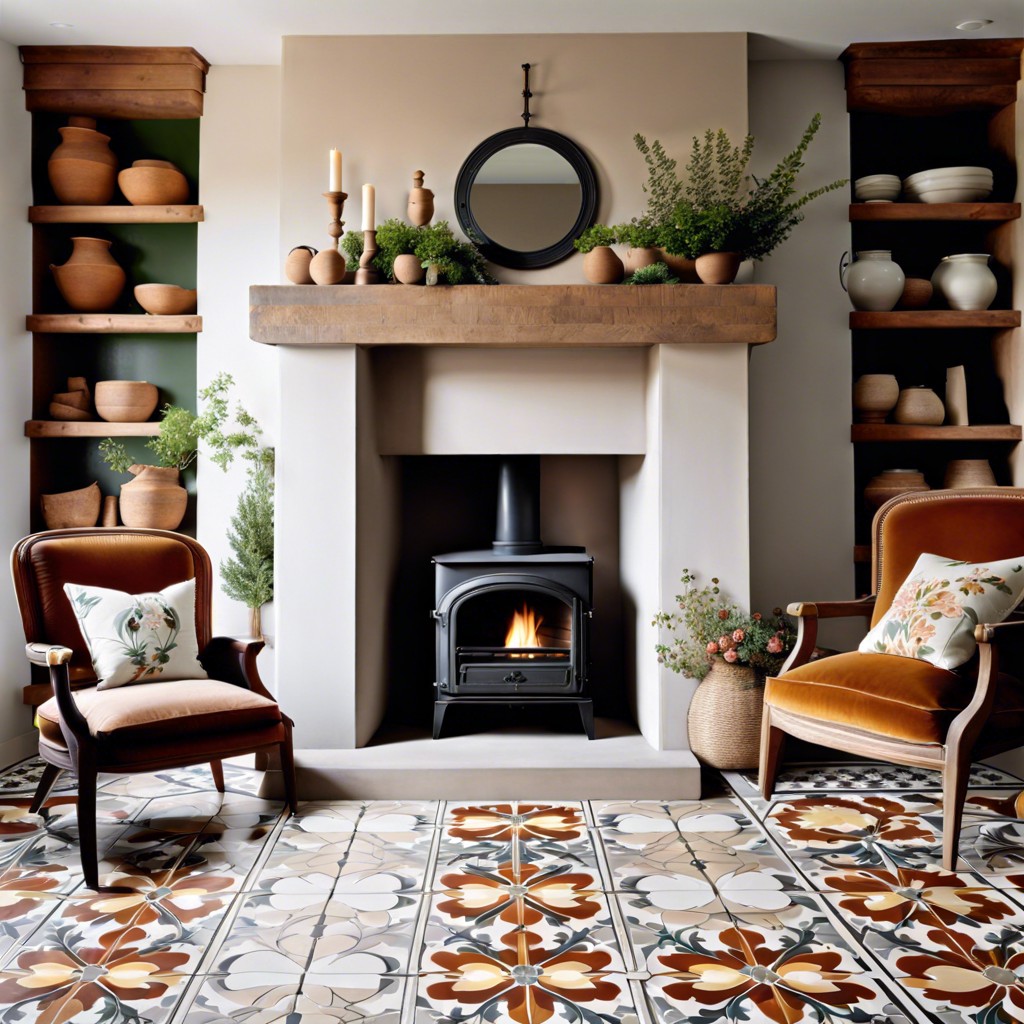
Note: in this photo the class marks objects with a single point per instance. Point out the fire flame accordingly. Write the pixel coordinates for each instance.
(523, 630)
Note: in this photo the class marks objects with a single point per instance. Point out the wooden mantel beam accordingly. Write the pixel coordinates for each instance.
(506, 316)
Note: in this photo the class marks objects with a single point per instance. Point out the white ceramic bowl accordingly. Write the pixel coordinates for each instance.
(867, 193)
(877, 179)
(965, 194)
(954, 171)
(949, 174)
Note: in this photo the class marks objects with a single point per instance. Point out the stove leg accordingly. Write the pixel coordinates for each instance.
(440, 706)
(587, 714)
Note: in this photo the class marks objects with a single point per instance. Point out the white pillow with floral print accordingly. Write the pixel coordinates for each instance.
(933, 615)
(139, 638)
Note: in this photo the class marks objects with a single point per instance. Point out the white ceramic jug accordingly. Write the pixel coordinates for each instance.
(965, 281)
(873, 281)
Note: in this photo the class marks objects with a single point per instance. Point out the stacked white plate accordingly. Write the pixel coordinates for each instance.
(877, 188)
(949, 185)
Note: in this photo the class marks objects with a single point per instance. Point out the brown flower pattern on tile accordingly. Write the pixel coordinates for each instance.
(503, 823)
(22, 888)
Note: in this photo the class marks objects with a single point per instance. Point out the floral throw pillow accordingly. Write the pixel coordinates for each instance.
(934, 612)
(139, 638)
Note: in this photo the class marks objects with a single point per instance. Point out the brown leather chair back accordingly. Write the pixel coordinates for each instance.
(136, 561)
(975, 524)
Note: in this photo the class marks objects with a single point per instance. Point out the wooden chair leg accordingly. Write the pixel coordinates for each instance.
(954, 791)
(51, 773)
(87, 825)
(288, 773)
(217, 771)
(772, 742)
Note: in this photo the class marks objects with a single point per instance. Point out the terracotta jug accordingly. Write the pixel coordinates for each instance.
(602, 266)
(82, 169)
(91, 280)
(154, 499)
(421, 202)
(718, 267)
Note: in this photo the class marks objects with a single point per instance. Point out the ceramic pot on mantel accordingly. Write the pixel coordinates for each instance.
(409, 269)
(718, 267)
(724, 720)
(82, 169)
(602, 266)
(154, 499)
(634, 259)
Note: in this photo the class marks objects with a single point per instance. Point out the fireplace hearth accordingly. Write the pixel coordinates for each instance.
(512, 622)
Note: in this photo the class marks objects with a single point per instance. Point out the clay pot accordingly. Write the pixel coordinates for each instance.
(891, 482)
(63, 411)
(874, 396)
(296, 264)
(153, 183)
(71, 508)
(409, 269)
(969, 473)
(125, 401)
(155, 499)
(602, 266)
(634, 259)
(82, 169)
(919, 406)
(965, 281)
(166, 299)
(327, 267)
(917, 293)
(680, 266)
(874, 281)
(91, 280)
(718, 267)
(421, 202)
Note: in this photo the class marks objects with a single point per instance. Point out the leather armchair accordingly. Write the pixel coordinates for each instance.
(901, 709)
(142, 727)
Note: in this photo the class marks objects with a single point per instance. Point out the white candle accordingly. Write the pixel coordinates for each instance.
(368, 222)
(335, 179)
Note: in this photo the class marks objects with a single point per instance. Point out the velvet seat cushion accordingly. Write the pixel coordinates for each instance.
(903, 698)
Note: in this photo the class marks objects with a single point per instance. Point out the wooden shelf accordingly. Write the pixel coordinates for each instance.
(90, 428)
(903, 432)
(112, 323)
(115, 214)
(901, 319)
(934, 211)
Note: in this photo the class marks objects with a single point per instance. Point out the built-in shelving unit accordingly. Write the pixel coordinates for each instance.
(934, 211)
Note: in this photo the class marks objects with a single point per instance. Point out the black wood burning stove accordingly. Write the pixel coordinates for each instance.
(512, 622)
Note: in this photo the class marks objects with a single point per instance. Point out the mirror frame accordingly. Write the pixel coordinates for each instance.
(565, 148)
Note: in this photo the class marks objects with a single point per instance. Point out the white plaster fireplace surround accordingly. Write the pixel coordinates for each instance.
(661, 386)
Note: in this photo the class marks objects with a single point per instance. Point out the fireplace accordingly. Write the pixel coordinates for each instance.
(512, 621)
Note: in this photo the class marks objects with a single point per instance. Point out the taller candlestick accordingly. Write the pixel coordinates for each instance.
(335, 177)
(368, 211)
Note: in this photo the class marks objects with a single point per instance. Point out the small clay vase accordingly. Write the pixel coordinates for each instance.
(71, 508)
(919, 406)
(82, 169)
(296, 264)
(421, 202)
(680, 266)
(409, 269)
(91, 280)
(154, 499)
(969, 473)
(874, 396)
(718, 267)
(602, 266)
(634, 259)
(917, 293)
(891, 482)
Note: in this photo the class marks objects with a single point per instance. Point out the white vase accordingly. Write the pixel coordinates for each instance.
(965, 281)
(873, 280)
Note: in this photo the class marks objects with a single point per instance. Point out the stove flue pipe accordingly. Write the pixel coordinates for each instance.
(518, 525)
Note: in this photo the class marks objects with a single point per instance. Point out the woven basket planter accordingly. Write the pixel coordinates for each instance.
(724, 721)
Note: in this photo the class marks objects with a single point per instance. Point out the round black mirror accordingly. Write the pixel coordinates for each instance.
(524, 195)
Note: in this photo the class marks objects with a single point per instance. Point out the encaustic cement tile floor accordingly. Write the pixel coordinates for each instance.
(825, 903)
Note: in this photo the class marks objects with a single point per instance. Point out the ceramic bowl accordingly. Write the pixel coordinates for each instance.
(61, 411)
(146, 185)
(877, 187)
(71, 508)
(955, 194)
(125, 401)
(165, 299)
(950, 172)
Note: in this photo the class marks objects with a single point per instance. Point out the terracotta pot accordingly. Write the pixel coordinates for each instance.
(718, 267)
(919, 406)
(409, 269)
(634, 259)
(421, 202)
(730, 696)
(82, 169)
(153, 183)
(91, 280)
(296, 264)
(166, 299)
(602, 266)
(71, 508)
(874, 395)
(125, 401)
(969, 473)
(154, 499)
(62, 411)
(917, 293)
(681, 266)
(891, 482)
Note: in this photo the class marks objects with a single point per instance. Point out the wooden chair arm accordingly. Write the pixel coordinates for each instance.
(995, 632)
(56, 658)
(864, 606)
(46, 655)
(234, 661)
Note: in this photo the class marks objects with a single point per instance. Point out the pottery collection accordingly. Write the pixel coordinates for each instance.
(91, 281)
(82, 169)
(919, 406)
(874, 281)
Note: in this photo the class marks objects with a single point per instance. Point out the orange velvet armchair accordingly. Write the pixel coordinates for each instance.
(143, 727)
(901, 709)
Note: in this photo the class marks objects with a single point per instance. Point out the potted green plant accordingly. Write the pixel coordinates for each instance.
(601, 265)
(641, 238)
(653, 273)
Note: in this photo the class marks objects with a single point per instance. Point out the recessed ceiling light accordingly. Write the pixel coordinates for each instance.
(974, 24)
(61, 24)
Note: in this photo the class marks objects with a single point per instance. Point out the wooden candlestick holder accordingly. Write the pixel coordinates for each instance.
(367, 272)
(328, 265)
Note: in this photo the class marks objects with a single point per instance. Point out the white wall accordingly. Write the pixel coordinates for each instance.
(17, 738)
(801, 459)
(239, 182)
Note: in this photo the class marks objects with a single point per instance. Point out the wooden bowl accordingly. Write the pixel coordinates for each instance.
(146, 185)
(71, 508)
(125, 401)
(165, 299)
(89, 287)
(60, 411)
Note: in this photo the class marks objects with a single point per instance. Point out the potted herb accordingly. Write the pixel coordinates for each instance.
(653, 273)
(447, 258)
(600, 263)
(641, 238)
